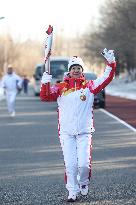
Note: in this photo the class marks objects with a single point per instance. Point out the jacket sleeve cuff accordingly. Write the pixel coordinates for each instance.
(112, 65)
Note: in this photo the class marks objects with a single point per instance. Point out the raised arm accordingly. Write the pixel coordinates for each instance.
(53, 93)
(97, 85)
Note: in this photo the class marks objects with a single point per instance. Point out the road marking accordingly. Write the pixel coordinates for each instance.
(118, 119)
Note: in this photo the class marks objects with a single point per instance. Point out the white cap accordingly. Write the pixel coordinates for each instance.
(75, 61)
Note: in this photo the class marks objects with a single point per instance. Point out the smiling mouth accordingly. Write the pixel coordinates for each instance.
(76, 73)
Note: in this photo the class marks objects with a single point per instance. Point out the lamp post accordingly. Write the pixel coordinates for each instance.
(1, 18)
(5, 51)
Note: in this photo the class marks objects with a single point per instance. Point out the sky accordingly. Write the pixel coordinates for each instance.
(30, 18)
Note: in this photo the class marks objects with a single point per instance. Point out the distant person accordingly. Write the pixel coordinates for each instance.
(75, 98)
(25, 84)
(12, 84)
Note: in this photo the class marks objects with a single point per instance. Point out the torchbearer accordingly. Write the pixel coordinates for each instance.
(12, 84)
(75, 98)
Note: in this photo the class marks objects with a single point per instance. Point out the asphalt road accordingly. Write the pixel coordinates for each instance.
(31, 161)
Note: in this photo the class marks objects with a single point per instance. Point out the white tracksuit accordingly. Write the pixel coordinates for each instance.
(10, 83)
(75, 123)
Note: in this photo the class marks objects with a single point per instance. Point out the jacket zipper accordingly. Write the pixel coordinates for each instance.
(75, 85)
(76, 106)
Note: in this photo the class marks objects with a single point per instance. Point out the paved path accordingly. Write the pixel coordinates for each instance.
(123, 108)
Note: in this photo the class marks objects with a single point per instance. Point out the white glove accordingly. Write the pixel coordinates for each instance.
(109, 55)
(46, 78)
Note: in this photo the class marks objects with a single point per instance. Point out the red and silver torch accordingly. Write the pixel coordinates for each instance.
(47, 53)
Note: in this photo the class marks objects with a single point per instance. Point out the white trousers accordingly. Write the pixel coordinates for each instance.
(10, 98)
(77, 157)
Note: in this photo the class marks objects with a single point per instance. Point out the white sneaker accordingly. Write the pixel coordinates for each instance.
(12, 114)
(84, 190)
(72, 197)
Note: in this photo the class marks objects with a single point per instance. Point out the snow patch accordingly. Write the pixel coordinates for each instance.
(119, 87)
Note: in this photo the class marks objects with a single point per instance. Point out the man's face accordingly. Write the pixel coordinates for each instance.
(76, 71)
(10, 70)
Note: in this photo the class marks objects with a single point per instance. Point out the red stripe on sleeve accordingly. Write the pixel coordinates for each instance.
(107, 81)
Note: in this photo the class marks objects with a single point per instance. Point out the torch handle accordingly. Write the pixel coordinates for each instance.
(47, 69)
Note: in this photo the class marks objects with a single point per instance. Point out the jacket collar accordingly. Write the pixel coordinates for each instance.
(72, 82)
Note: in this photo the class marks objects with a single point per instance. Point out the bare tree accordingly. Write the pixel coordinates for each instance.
(22, 55)
(117, 29)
